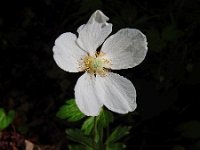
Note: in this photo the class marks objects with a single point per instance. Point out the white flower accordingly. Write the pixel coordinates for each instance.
(98, 86)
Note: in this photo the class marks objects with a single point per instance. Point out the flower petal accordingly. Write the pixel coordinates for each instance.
(98, 16)
(85, 95)
(94, 33)
(117, 93)
(67, 54)
(126, 48)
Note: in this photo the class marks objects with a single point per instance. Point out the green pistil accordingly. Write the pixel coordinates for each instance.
(96, 64)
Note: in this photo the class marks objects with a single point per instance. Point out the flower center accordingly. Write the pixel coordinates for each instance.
(95, 64)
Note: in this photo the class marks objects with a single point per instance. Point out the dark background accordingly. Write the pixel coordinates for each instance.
(167, 82)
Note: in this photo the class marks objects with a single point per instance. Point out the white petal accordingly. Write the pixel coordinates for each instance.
(98, 16)
(117, 93)
(85, 95)
(80, 28)
(94, 33)
(67, 54)
(126, 48)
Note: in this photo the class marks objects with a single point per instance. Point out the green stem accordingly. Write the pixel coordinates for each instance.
(95, 130)
(96, 139)
(98, 135)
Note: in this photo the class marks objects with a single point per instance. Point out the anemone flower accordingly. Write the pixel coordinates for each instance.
(96, 56)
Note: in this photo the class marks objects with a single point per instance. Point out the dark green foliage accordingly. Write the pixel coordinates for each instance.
(78, 136)
(103, 120)
(79, 147)
(117, 134)
(6, 119)
(116, 146)
(88, 125)
(95, 127)
(70, 111)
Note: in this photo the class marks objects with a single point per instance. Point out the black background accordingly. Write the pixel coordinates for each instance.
(167, 82)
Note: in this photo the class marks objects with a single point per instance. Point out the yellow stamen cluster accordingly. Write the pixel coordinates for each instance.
(95, 64)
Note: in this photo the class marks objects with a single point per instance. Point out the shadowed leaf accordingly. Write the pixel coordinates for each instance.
(70, 111)
(5, 120)
(118, 133)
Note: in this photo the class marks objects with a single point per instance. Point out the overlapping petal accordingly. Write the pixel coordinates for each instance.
(126, 48)
(67, 54)
(94, 33)
(116, 92)
(86, 95)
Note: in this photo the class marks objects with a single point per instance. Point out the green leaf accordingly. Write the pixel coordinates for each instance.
(6, 120)
(118, 133)
(115, 146)
(102, 121)
(79, 147)
(104, 118)
(76, 147)
(70, 111)
(77, 135)
(88, 125)
(190, 129)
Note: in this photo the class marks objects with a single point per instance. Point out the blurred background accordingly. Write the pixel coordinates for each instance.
(167, 82)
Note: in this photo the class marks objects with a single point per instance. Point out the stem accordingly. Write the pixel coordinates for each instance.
(98, 136)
